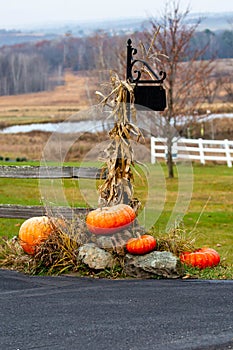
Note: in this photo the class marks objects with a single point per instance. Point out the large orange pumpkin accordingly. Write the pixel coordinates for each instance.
(141, 245)
(108, 220)
(202, 258)
(33, 232)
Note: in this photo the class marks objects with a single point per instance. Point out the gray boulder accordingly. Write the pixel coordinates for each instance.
(95, 257)
(154, 264)
(115, 242)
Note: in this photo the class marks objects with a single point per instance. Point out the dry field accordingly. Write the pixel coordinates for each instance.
(77, 93)
(31, 145)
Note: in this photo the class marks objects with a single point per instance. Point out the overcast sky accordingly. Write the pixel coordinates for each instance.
(14, 13)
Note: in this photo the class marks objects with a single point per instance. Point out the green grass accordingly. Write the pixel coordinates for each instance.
(208, 217)
(210, 214)
(220, 272)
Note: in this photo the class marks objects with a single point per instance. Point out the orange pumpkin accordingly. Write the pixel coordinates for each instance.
(141, 245)
(202, 258)
(214, 257)
(33, 232)
(108, 220)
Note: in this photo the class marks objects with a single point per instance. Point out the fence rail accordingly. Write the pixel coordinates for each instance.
(193, 149)
(36, 172)
(43, 172)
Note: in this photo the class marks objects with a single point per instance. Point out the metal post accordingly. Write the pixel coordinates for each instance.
(128, 73)
(151, 95)
(129, 59)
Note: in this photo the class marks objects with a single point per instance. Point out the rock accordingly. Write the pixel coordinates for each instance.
(95, 257)
(115, 242)
(105, 242)
(160, 264)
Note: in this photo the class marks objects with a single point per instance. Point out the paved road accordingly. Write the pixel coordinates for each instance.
(69, 313)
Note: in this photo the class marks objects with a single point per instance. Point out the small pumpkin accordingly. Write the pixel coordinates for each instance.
(141, 245)
(201, 258)
(108, 220)
(33, 232)
(214, 256)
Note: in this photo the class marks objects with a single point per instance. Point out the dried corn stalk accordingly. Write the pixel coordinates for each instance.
(119, 154)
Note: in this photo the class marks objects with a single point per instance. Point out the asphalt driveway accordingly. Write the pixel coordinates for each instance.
(70, 313)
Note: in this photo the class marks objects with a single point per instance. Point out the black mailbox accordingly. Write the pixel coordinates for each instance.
(148, 94)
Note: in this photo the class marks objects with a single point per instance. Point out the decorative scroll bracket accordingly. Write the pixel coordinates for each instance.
(152, 95)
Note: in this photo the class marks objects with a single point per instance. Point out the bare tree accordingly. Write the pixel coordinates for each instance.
(184, 67)
(22, 73)
(228, 87)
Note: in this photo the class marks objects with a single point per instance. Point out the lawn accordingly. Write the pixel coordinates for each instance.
(208, 217)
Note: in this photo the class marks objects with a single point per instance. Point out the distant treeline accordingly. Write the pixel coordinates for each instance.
(33, 67)
(220, 43)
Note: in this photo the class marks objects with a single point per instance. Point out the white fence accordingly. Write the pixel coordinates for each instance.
(199, 150)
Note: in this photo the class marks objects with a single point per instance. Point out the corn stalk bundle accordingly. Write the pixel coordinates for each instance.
(119, 155)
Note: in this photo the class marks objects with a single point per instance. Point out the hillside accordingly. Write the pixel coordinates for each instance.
(122, 26)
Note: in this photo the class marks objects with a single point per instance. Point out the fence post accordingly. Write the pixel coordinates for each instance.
(175, 149)
(226, 150)
(228, 153)
(201, 151)
(152, 150)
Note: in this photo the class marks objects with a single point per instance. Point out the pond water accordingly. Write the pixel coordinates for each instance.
(80, 126)
(62, 127)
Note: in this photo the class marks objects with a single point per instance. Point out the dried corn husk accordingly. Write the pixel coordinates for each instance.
(119, 155)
